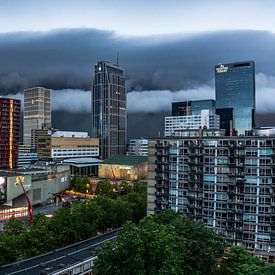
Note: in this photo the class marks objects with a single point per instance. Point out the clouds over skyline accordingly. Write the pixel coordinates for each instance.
(159, 69)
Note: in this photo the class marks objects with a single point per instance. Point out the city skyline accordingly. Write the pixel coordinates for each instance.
(162, 67)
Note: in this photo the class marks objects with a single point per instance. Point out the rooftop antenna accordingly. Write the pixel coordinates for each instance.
(117, 58)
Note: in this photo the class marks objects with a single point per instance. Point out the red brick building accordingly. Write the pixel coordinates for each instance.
(9, 132)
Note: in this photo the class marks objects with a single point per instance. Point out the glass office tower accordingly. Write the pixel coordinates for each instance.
(109, 117)
(193, 107)
(235, 96)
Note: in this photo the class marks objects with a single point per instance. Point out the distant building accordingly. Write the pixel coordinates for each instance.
(9, 132)
(264, 131)
(27, 156)
(235, 96)
(124, 168)
(193, 107)
(138, 147)
(65, 144)
(109, 109)
(37, 111)
(83, 166)
(204, 120)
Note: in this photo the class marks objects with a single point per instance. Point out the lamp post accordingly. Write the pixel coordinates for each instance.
(20, 180)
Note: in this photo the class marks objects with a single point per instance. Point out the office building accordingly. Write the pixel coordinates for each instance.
(9, 132)
(64, 144)
(235, 96)
(202, 120)
(109, 109)
(228, 183)
(138, 147)
(194, 107)
(37, 111)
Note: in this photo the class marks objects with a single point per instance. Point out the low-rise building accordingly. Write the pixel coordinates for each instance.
(40, 182)
(124, 168)
(83, 166)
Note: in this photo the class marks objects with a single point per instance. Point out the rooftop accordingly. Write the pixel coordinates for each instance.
(125, 160)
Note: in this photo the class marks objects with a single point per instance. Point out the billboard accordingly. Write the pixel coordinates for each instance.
(3, 190)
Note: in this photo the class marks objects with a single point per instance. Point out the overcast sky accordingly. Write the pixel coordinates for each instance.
(168, 49)
(140, 17)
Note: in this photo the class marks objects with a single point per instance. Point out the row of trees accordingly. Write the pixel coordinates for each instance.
(169, 243)
(81, 221)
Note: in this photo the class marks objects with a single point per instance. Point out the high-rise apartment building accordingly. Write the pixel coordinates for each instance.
(37, 111)
(109, 109)
(235, 96)
(228, 183)
(9, 132)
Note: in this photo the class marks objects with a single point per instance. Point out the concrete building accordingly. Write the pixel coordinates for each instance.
(138, 147)
(9, 132)
(178, 123)
(226, 182)
(37, 111)
(40, 183)
(235, 96)
(65, 144)
(27, 156)
(124, 168)
(109, 116)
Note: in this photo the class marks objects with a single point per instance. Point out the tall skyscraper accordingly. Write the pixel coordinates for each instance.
(235, 96)
(9, 132)
(109, 117)
(37, 111)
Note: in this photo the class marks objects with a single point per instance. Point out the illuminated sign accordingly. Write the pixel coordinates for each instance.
(19, 212)
(221, 69)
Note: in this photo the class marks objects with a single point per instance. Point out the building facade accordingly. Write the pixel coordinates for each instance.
(26, 156)
(138, 147)
(64, 144)
(194, 107)
(109, 109)
(235, 96)
(37, 111)
(226, 182)
(9, 132)
(204, 120)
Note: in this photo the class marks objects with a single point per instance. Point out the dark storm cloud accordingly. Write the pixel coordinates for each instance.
(64, 59)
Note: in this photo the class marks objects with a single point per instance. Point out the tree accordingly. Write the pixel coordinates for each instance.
(144, 249)
(237, 260)
(104, 188)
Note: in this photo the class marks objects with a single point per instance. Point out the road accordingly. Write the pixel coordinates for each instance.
(58, 259)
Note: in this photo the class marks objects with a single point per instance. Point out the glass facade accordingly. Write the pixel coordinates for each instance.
(109, 109)
(235, 88)
(194, 107)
